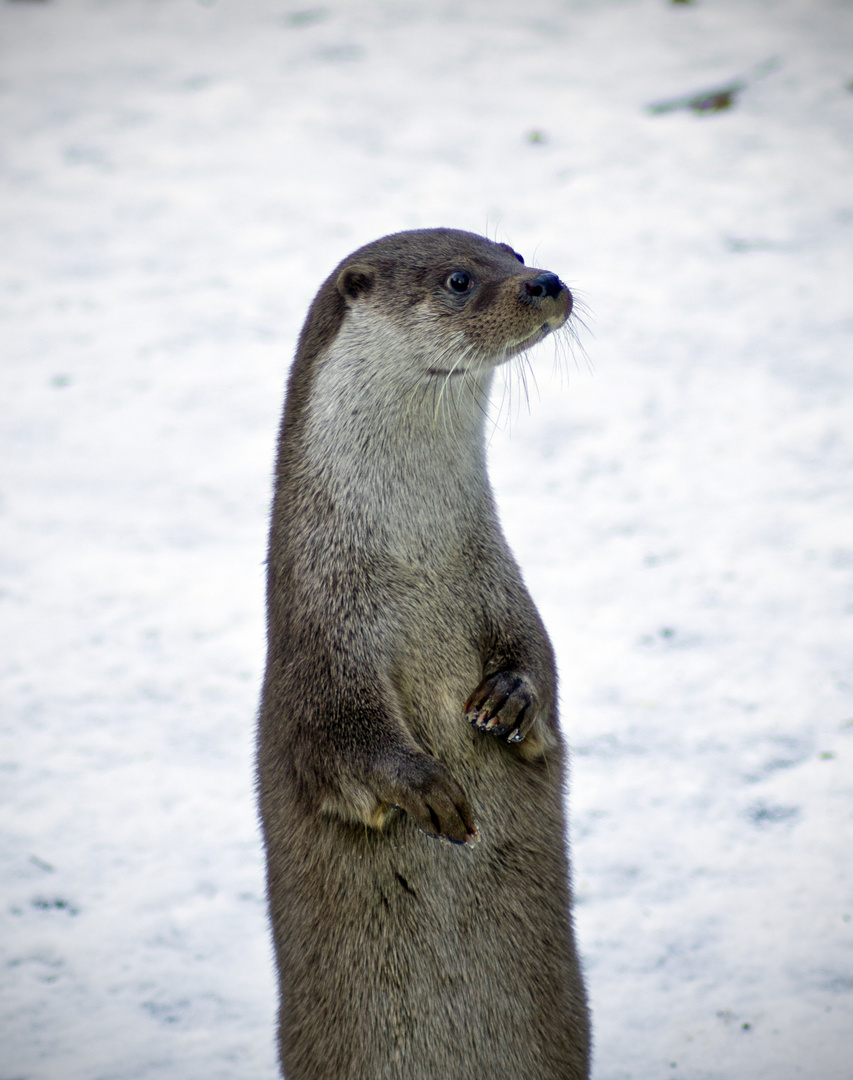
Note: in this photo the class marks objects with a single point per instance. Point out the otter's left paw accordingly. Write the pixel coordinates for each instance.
(503, 705)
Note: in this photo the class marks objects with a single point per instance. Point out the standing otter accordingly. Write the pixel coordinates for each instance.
(410, 695)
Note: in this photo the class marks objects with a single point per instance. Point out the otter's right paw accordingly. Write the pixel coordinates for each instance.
(423, 788)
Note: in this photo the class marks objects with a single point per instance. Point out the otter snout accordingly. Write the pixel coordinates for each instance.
(547, 286)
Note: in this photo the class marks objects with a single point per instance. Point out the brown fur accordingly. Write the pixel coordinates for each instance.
(410, 695)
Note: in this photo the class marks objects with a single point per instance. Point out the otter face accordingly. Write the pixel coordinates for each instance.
(461, 300)
(402, 341)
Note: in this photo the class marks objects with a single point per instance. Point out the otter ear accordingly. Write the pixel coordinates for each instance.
(355, 281)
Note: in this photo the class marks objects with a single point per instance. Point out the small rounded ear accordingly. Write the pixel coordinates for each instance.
(354, 281)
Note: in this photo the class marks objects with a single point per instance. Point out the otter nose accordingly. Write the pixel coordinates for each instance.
(544, 285)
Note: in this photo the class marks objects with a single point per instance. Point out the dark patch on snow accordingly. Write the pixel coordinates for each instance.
(339, 53)
(717, 99)
(41, 864)
(308, 17)
(755, 243)
(56, 904)
(705, 101)
(772, 753)
(762, 814)
(166, 1012)
(730, 1019)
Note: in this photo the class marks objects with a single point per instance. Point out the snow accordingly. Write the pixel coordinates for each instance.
(176, 179)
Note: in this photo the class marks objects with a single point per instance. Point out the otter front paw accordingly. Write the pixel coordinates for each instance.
(503, 705)
(423, 788)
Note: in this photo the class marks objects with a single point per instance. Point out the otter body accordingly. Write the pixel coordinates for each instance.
(410, 766)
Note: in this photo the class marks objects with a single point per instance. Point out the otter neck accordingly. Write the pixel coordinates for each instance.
(398, 450)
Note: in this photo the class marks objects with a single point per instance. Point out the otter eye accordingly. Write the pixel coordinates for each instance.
(515, 253)
(459, 281)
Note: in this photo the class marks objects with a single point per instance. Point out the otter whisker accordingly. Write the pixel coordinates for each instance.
(580, 313)
(507, 392)
(449, 376)
(527, 367)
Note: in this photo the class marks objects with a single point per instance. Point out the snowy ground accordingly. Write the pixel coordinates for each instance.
(176, 179)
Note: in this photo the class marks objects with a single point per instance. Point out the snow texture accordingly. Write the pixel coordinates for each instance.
(176, 179)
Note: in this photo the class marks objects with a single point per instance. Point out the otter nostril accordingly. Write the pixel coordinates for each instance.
(544, 285)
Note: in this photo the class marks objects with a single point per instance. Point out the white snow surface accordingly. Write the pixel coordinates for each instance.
(176, 180)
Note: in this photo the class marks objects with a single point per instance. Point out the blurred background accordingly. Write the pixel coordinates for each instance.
(176, 179)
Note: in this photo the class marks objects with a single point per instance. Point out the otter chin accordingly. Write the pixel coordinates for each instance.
(411, 770)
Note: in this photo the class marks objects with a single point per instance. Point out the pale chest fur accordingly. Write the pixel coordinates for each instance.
(399, 451)
(399, 455)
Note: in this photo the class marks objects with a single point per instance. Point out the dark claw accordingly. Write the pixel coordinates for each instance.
(503, 705)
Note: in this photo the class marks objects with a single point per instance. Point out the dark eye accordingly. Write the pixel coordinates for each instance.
(459, 281)
(515, 253)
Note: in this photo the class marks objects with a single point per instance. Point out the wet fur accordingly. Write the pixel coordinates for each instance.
(394, 606)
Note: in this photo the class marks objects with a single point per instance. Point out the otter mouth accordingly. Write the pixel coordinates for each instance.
(531, 339)
(512, 348)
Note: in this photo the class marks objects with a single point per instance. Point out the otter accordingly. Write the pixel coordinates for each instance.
(410, 767)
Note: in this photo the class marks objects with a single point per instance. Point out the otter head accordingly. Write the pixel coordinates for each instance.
(450, 300)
